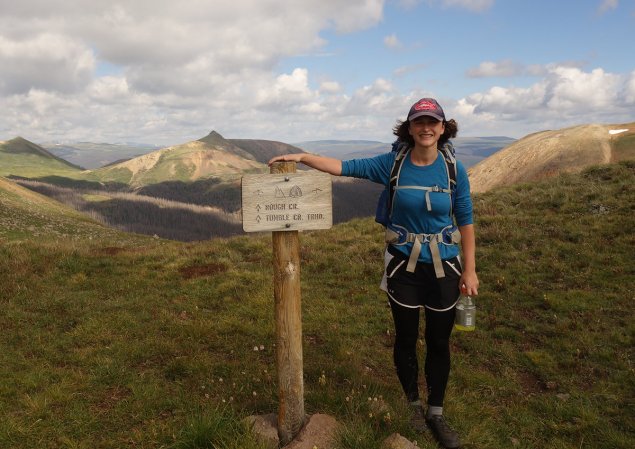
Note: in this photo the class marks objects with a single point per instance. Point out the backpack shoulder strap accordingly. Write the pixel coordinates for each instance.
(449, 156)
(402, 151)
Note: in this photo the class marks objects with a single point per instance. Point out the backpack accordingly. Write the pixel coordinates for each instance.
(384, 203)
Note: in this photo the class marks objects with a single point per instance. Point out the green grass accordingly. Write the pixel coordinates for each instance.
(113, 340)
(35, 166)
(113, 174)
(624, 146)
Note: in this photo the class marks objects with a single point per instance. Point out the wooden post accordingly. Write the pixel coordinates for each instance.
(286, 272)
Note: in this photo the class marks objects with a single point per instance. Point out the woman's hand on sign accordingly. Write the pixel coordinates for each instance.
(293, 157)
(321, 163)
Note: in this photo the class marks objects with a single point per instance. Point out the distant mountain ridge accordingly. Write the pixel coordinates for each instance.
(92, 155)
(210, 156)
(215, 140)
(264, 150)
(470, 150)
(508, 161)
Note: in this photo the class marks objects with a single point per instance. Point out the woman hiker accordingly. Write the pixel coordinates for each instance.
(432, 276)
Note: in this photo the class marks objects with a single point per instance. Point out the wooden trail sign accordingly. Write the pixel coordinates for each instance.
(285, 202)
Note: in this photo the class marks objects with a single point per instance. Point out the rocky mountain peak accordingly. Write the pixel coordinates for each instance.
(214, 138)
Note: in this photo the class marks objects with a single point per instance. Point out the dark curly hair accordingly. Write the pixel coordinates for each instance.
(401, 131)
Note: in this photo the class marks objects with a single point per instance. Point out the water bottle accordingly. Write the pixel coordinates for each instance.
(465, 314)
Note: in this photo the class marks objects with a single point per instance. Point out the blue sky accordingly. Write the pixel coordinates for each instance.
(159, 72)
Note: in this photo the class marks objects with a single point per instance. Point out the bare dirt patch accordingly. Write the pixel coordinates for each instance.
(109, 251)
(198, 271)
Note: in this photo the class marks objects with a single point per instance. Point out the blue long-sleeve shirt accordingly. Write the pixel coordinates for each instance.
(409, 205)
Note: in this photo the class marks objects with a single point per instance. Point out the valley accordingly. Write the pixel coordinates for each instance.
(191, 191)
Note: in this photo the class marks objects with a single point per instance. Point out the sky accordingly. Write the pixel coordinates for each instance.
(167, 72)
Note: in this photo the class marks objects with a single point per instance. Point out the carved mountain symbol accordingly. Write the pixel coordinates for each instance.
(295, 192)
(279, 193)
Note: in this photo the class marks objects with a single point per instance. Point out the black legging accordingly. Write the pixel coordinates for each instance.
(437, 361)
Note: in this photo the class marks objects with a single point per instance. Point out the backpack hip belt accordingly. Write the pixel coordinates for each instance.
(398, 235)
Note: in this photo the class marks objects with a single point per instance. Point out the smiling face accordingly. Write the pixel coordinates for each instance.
(426, 131)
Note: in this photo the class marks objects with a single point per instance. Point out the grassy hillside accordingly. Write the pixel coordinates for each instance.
(550, 153)
(185, 211)
(211, 156)
(623, 144)
(111, 340)
(23, 158)
(26, 215)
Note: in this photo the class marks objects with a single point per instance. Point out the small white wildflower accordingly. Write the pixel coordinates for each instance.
(255, 348)
(254, 393)
(262, 347)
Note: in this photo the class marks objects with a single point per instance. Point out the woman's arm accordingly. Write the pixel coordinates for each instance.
(469, 280)
(321, 163)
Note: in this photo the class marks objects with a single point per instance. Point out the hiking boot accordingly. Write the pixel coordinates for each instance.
(418, 420)
(445, 435)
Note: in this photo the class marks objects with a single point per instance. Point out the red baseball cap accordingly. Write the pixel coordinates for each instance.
(426, 106)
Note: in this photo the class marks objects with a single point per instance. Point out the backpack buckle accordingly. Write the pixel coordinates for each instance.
(446, 234)
(396, 235)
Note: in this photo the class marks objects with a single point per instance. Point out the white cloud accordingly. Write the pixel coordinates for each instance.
(570, 89)
(629, 89)
(565, 96)
(44, 61)
(173, 71)
(288, 91)
(183, 47)
(330, 87)
(472, 5)
(190, 64)
(109, 89)
(409, 4)
(506, 68)
(606, 5)
(392, 42)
